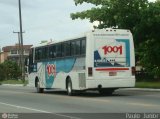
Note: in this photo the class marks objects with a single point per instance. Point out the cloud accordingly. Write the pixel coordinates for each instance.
(8, 2)
(42, 20)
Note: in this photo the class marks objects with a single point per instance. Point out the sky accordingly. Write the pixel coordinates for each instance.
(41, 20)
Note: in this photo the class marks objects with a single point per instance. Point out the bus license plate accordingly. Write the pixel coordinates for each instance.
(112, 73)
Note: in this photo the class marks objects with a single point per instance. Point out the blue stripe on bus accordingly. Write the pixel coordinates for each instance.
(127, 44)
(61, 65)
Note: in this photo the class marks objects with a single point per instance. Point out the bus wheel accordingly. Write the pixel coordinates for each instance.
(69, 87)
(39, 90)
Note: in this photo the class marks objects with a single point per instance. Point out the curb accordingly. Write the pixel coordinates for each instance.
(143, 89)
(18, 85)
(138, 89)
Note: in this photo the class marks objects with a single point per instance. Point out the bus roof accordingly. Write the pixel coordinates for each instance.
(109, 30)
(57, 41)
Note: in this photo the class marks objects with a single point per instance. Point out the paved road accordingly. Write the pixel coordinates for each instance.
(87, 105)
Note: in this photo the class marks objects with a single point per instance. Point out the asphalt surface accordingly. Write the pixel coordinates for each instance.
(55, 104)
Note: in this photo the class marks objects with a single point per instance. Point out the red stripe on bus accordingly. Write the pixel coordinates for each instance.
(111, 69)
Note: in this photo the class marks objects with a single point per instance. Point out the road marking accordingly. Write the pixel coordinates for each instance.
(157, 96)
(37, 110)
(82, 98)
(24, 107)
(7, 91)
(60, 96)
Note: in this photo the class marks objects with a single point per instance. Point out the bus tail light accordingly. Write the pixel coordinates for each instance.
(90, 71)
(133, 71)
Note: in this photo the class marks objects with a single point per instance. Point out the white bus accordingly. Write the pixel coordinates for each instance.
(102, 59)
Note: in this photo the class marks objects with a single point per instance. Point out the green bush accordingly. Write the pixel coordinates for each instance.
(9, 70)
(2, 73)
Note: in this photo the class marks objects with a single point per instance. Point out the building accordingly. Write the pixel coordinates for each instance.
(3, 56)
(13, 53)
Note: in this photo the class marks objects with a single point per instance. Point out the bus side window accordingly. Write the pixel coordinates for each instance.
(58, 50)
(73, 49)
(52, 52)
(67, 49)
(44, 53)
(77, 47)
(38, 54)
(83, 47)
(63, 49)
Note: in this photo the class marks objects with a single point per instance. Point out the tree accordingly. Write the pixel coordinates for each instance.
(9, 70)
(148, 31)
(112, 13)
(140, 16)
(2, 73)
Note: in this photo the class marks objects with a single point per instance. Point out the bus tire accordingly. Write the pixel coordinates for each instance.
(69, 87)
(38, 89)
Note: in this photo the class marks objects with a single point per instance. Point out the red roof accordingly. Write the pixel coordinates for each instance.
(16, 47)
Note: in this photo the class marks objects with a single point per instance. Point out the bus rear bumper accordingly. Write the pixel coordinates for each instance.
(110, 83)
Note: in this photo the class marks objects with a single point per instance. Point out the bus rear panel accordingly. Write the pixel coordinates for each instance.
(110, 61)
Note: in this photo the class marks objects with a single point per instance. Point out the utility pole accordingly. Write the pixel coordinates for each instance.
(19, 50)
(21, 39)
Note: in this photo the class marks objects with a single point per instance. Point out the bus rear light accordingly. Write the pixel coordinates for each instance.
(90, 71)
(133, 71)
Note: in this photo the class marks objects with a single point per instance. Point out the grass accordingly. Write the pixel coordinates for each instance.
(14, 82)
(154, 85)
